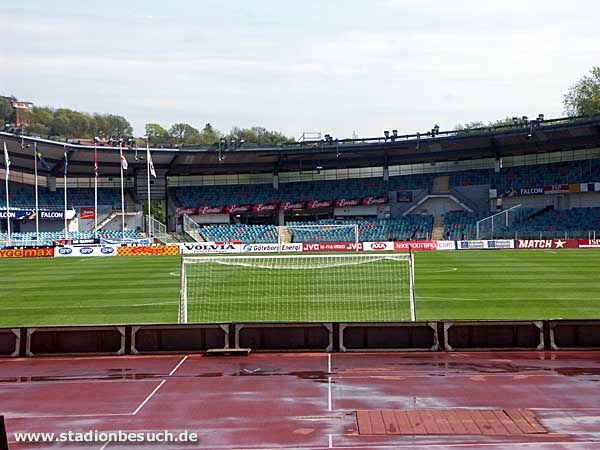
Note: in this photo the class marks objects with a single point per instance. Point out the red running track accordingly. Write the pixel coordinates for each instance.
(297, 401)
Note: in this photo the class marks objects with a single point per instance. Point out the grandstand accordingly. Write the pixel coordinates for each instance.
(392, 189)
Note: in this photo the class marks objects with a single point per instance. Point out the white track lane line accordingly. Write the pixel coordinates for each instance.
(164, 380)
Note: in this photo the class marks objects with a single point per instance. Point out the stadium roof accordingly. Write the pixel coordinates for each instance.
(536, 136)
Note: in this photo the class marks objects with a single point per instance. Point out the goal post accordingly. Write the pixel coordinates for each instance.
(297, 288)
(324, 233)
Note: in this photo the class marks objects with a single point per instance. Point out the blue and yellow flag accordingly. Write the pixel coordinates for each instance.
(40, 158)
(66, 164)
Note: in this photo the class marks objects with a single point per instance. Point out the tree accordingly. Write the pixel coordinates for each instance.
(156, 134)
(583, 98)
(183, 133)
(259, 135)
(209, 135)
(6, 109)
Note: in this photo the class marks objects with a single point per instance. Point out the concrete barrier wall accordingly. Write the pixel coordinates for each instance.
(388, 336)
(10, 341)
(314, 337)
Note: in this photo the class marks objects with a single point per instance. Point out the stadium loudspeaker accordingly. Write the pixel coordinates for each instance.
(52, 184)
(3, 437)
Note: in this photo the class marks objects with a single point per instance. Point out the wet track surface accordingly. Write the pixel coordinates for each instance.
(301, 400)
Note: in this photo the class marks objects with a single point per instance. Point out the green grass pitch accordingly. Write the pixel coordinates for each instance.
(500, 284)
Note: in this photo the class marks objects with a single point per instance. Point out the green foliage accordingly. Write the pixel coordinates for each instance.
(583, 98)
(156, 209)
(259, 135)
(183, 133)
(6, 109)
(156, 134)
(66, 123)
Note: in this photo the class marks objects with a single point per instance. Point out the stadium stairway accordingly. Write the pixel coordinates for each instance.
(285, 237)
(441, 185)
(437, 233)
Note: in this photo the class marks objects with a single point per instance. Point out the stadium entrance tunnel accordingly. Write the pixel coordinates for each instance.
(301, 337)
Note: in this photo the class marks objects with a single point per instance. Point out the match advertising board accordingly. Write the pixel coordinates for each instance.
(547, 243)
(84, 251)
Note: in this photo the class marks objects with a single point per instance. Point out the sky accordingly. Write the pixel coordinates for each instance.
(343, 67)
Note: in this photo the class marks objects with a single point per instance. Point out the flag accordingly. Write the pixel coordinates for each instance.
(6, 161)
(40, 158)
(95, 161)
(66, 160)
(150, 163)
(124, 164)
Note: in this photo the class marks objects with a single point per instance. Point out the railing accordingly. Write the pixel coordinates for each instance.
(486, 225)
(157, 229)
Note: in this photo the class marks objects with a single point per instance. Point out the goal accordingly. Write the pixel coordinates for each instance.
(297, 288)
(324, 232)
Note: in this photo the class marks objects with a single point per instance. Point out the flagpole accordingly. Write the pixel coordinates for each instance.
(95, 189)
(37, 223)
(148, 170)
(7, 166)
(122, 193)
(65, 189)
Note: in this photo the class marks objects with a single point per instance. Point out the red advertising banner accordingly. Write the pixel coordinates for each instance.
(210, 209)
(182, 211)
(330, 246)
(375, 200)
(265, 207)
(37, 252)
(232, 209)
(316, 204)
(87, 212)
(547, 243)
(403, 246)
(556, 189)
(589, 243)
(285, 206)
(342, 202)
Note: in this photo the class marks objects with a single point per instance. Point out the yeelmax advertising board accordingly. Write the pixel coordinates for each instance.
(197, 248)
(33, 252)
(271, 248)
(87, 250)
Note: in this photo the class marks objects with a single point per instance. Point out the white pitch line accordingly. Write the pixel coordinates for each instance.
(328, 362)
(149, 397)
(105, 445)
(330, 441)
(178, 365)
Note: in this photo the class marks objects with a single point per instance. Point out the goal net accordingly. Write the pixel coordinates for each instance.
(324, 232)
(297, 288)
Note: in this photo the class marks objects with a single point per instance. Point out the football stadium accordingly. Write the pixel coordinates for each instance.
(283, 225)
(331, 264)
